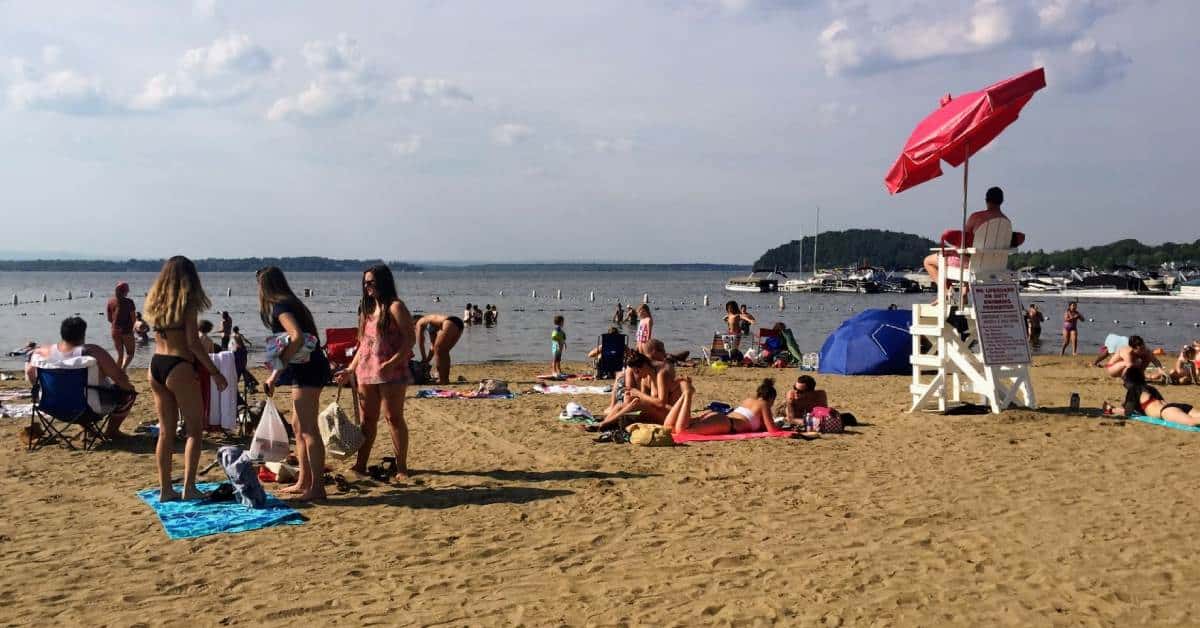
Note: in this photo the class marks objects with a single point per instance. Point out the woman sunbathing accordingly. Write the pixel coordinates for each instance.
(1142, 398)
(753, 415)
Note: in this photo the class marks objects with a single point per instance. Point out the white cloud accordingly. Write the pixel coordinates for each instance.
(511, 133)
(348, 83)
(222, 72)
(613, 145)
(407, 146)
(1084, 66)
(410, 89)
(63, 91)
(869, 38)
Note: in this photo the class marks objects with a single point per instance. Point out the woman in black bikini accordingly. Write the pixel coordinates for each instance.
(172, 307)
(444, 332)
(282, 312)
(1142, 398)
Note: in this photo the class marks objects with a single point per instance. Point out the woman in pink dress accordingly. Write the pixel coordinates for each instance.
(380, 365)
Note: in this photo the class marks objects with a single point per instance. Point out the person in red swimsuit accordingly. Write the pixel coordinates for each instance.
(121, 311)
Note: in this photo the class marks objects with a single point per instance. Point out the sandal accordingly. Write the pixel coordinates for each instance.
(378, 473)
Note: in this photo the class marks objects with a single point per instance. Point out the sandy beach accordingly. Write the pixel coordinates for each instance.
(1027, 518)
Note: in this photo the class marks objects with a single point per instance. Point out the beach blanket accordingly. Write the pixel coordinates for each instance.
(445, 393)
(693, 438)
(1175, 426)
(190, 519)
(571, 389)
(562, 377)
(12, 395)
(16, 410)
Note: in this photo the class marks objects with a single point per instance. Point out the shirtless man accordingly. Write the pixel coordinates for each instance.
(803, 397)
(1133, 355)
(74, 333)
(994, 198)
(444, 332)
(657, 390)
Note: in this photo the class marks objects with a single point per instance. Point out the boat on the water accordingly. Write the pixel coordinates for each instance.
(753, 283)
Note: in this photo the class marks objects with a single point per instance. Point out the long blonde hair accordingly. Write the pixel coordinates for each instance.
(175, 292)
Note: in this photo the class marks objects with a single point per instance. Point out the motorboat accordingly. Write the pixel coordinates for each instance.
(753, 283)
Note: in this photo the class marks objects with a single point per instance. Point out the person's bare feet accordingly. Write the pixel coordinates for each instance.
(167, 496)
(402, 476)
(311, 496)
(296, 488)
(191, 492)
(361, 474)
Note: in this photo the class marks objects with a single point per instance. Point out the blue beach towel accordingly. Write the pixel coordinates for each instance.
(190, 519)
(1175, 426)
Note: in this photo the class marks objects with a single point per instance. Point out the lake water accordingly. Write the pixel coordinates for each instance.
(680, 318)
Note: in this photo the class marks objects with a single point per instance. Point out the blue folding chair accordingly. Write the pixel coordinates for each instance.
(612, 355)
(60, 396)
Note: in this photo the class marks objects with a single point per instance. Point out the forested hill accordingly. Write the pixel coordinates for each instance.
(852, 247)
(207, 265)
(1127, 252)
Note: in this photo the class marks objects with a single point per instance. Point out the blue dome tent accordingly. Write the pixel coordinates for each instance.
(874, 342)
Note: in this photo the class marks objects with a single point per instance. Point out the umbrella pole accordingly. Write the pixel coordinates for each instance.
(962, 237)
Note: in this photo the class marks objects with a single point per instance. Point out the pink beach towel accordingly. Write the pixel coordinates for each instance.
(694, 438)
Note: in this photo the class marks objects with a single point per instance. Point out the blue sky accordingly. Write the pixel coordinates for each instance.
(679, 130)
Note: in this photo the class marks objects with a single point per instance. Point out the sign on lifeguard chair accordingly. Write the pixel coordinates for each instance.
(990, 357)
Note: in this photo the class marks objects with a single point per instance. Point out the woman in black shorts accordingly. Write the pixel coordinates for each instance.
(282, 311)
(444, 332)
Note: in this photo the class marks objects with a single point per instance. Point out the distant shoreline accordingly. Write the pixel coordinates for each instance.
(319, 265)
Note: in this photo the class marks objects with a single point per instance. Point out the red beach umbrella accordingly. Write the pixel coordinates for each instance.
(960, 128)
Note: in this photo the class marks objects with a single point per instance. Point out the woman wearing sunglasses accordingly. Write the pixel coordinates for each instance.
(380, 366)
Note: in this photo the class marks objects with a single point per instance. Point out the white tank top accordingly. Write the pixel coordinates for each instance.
(59, 356)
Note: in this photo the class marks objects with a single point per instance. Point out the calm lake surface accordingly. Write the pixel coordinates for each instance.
(680, 318)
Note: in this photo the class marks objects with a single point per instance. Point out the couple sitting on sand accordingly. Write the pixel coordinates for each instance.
(650, 387)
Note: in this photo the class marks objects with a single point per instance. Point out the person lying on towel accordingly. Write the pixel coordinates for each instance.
(1144, 399)
(752, 415)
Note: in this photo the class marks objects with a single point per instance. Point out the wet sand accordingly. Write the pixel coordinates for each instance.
(1027, 518)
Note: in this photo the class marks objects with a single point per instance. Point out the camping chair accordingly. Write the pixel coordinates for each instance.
(719, 350)
(612, 355)
(340, 343)
(60, 395)
(770, 342)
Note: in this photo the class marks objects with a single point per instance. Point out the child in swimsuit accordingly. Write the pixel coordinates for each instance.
(558, 339)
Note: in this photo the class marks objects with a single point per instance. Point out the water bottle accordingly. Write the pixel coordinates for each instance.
(808, 422)
(1074, 402)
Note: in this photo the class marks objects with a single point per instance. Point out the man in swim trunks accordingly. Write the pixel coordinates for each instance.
(121, 315)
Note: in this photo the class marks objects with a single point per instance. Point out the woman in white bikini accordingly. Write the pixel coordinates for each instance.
(752, 415)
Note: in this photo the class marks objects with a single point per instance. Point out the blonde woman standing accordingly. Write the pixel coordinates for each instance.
(172, 308)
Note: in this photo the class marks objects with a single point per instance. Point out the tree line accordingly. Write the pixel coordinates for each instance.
(852, 247)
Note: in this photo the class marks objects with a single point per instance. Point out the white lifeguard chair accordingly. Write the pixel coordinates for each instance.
(993, 360)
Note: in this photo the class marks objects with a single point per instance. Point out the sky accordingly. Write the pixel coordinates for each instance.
(649, 131)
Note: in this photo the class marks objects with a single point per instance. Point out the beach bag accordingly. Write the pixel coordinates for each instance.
(239, 468)
(828, 420)
(341, 436)
(421, 372)
(649, 435)
(492, 387)
(270, 441)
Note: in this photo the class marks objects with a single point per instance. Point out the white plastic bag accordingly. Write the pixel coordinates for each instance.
(270, 439)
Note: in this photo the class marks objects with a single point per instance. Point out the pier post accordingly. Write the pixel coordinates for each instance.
(44, 297)
(533, 294)
(15, 301)
(706, 300)
(592, 296)
(229, 292)
(782, 303)
(68, 295)
(645, 298)
(558, 294)
(91, 294)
